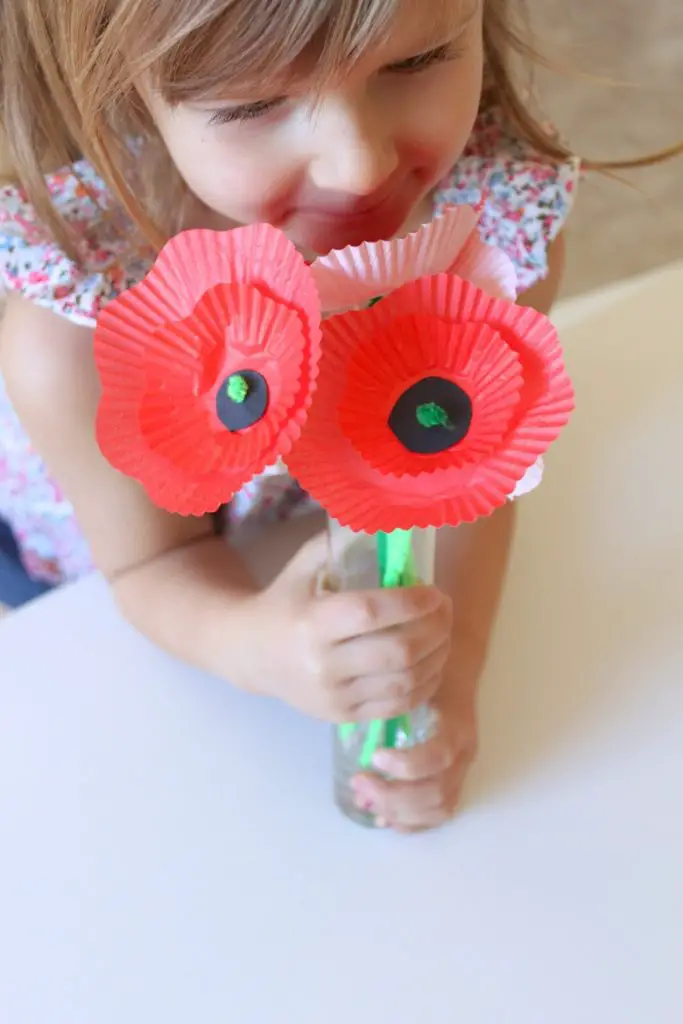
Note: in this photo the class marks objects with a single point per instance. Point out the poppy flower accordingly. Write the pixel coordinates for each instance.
(450, 243)
(430, 407)
(208, 366)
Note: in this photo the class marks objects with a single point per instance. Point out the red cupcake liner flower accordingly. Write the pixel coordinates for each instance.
(208, 366)
(430, 407)
(414, 348)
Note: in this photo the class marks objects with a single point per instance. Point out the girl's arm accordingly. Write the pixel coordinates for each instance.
(174, 580)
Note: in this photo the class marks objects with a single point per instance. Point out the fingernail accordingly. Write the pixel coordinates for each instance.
(383, 760)
(381, 823)
(362, 792)
(362, 798)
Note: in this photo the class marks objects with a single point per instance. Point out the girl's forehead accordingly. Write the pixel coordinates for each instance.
(256, 45)
(419, 27)
(430, 21)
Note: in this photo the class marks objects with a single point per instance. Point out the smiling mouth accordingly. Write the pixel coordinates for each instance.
(322, 235)
(350, 214)
(348, 208)
(321, 227)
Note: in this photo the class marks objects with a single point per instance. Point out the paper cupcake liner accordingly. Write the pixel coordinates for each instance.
(187, 473)
(352, 491)
(547, 398)
(213, 305)
(348, 482)
(191, 264)
(354, 275)
(472, 356)
(359, 496)
(167, 486)
(233, 328)
(487, 268)
(238, 327)
(193, 261)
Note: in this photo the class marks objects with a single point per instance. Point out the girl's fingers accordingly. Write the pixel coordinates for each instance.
(369, 711)
(415, 806)
(390, 655)
(424, 761)
(342, 617)
(422, 823)
(423, 819)
(389, 696)
(410, 806)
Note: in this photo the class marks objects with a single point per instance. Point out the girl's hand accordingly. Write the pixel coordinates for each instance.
(420, 788)
(347, 657)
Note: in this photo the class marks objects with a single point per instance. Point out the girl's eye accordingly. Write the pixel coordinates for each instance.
(246, 112)
(422, 61)
(411, 66)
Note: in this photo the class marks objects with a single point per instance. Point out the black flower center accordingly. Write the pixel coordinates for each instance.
(242, 400)
(431, 416)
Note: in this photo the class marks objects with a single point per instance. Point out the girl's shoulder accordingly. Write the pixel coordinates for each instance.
(525, 197)
(34, 265)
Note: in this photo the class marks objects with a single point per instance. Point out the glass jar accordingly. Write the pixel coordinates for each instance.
(359, 561)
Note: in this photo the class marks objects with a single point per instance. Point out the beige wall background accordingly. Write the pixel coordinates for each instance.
(618, 231)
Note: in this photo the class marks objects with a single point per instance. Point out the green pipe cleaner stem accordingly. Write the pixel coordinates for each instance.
(396, 563)
(238, 388)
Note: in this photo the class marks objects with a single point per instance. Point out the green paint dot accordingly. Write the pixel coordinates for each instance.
(238, 388)
(432, 415)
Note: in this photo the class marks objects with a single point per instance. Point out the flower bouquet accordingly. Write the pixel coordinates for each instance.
(398, 381)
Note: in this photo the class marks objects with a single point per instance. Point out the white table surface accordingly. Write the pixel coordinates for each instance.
(169, 852)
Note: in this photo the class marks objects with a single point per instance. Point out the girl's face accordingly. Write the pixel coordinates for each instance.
(351, 165)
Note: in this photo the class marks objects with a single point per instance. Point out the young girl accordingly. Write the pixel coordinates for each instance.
(338, 121)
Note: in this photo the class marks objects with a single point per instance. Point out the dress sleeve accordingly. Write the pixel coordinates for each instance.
(525, 198)
(33, 265)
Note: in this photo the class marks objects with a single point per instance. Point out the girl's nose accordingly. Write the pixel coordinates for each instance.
(352, 153)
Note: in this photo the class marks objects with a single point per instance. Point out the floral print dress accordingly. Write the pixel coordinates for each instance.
(524, 200)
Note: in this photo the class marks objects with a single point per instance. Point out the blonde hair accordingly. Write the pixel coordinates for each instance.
(69, 74)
